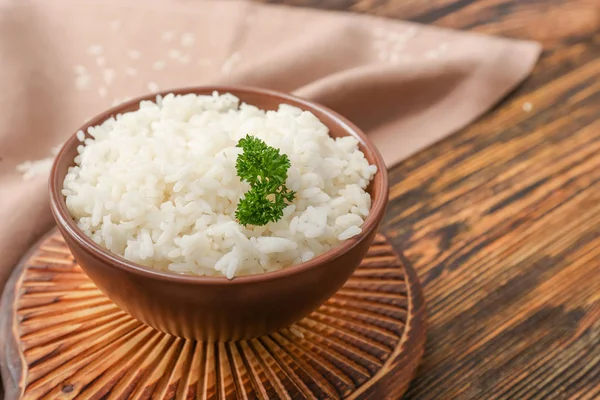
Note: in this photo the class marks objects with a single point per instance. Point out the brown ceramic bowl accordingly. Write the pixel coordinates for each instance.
(214, 308)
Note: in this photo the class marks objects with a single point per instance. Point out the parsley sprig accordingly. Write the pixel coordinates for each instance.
(266, 170)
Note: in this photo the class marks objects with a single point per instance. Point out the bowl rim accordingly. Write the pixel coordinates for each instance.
(66, 222)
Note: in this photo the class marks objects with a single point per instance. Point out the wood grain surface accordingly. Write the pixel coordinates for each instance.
(63, 339)
(506, 239)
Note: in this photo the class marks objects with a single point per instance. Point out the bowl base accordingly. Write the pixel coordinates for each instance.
(62, 337)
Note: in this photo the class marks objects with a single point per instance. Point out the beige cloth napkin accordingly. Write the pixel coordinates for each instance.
(62, 62)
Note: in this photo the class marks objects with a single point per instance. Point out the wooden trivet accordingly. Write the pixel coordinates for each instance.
(61, 338)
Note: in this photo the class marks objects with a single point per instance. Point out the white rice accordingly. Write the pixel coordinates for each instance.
(158, 186)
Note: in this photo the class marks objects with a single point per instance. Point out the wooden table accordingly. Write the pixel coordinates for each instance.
(507, 240)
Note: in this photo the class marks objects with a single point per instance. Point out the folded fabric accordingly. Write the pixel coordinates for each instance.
(62, 62)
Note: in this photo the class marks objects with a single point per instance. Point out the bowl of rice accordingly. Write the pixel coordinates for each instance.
(159, 199)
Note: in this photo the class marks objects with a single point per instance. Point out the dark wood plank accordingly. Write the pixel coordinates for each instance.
(548, 21)
(507, 240)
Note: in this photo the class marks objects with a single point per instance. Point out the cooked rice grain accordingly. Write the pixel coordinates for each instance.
(158, 186)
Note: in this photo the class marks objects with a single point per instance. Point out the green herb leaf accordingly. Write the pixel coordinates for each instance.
(265, 169)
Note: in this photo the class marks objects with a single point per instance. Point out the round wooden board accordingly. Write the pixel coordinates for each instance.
(62, 338)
